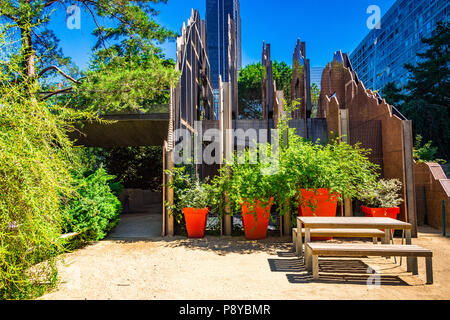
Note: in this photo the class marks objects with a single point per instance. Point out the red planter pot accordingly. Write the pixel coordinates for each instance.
(381, 212)
(256, 229)
(195, 221)
(325, 204)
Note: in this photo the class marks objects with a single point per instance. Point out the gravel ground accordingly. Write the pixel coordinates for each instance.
(222, 269)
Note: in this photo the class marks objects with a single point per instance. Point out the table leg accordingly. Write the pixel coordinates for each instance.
(410, 261)
(307, 251)
(387, 234)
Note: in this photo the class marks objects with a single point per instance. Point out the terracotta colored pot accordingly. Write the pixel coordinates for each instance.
(195, 221)
(381, 212)
(326, 205)
(256, 229)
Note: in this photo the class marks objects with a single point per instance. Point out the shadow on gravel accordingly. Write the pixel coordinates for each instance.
(227, 245)
(335, 272)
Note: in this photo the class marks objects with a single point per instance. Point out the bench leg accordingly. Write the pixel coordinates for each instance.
(300, 244)
(308, 260)
(307, 253)
(415, 267)
(429, 267)
(299, 239)
(315, 267)
(294, 240)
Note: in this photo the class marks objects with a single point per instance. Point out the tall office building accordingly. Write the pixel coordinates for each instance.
(316, 76)
(381, 56)
(217, 12)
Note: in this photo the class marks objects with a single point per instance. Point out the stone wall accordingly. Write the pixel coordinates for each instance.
(432, 187)
(342, 90)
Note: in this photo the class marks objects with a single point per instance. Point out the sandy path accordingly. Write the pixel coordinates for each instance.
(234, 269)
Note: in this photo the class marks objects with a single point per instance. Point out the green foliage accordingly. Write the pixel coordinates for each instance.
(128, 72)
(315, 94)
(337, 166)
(134, 167)
(189, 192)
(382, 194)
(249, 87)
(127, 84)
(94, 209)
(302, 164)
(35, 161)
(392, 94)
(426, 152)
(425, 99)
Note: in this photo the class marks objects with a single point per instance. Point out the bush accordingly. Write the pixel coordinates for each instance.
(382, 194)
(35, 158)
(426, 152)
(189, 192)
(95, 208)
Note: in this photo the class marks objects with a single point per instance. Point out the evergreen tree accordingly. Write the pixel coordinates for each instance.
(392, 94)
(249, 87)
(425, 99)
(128, 69)
(428, 101)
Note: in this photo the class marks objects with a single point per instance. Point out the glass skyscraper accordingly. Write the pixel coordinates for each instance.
(217, 12)
(397, 41)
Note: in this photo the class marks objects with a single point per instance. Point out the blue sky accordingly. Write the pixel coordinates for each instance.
(325, 25)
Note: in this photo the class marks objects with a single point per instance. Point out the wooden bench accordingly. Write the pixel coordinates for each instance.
(359, 250)
(375, 234)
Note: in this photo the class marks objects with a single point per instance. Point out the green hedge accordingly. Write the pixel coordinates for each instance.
(95, 208)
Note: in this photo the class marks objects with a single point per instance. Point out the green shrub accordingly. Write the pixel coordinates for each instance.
(382, 194)
(94, 210)
(426, 152)
(35, 158)
(189, 192)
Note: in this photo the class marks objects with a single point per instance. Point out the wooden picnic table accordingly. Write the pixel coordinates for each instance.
(387, 224)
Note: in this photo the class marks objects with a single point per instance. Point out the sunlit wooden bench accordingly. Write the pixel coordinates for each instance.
(317, 250)
(374, 234)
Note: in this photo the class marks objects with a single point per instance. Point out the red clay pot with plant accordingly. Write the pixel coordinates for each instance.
(195, 222)
(381, 212)
(256, 229)
(326, 205)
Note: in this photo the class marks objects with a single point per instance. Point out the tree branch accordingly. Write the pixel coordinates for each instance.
(59, 71)
(57, 92)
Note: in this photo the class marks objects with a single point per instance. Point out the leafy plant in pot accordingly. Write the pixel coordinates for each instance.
(249, 188)
(191, 202)
(322, 175)
(382, 199)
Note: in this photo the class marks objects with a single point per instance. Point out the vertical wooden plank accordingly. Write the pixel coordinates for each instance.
(287, 220)
(228, 151)
(170, 198)
(163, 234)
(409, 174)
(348, 207)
